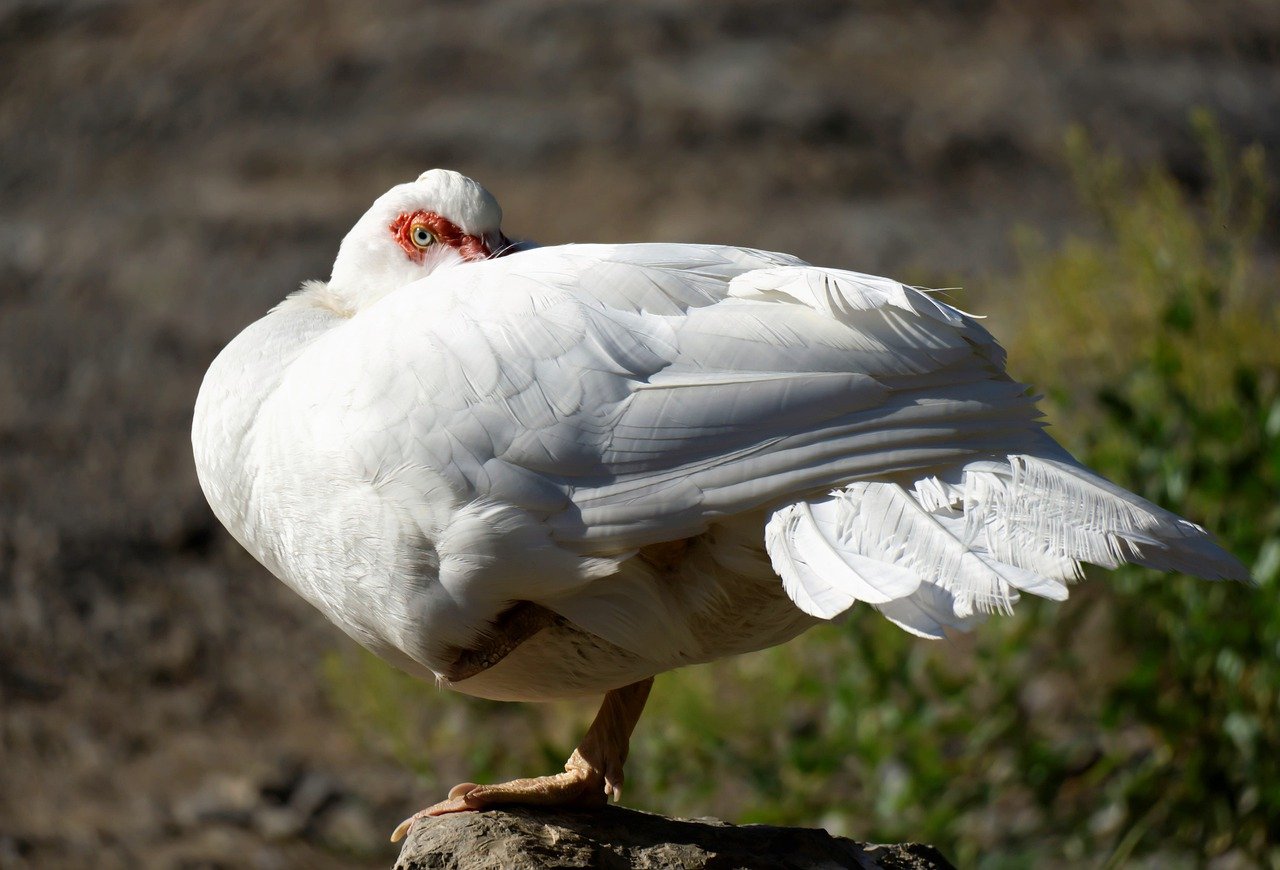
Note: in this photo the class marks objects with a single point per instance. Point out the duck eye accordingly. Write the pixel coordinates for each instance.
(421, 236)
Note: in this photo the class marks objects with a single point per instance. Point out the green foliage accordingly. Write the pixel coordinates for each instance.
(444, 737)
(1186, 411)
(1141, 720)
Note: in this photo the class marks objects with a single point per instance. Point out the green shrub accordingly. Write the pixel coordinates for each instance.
(1138, 719)
(1180, 401)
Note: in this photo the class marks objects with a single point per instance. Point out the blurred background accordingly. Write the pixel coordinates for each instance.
(1093, 175)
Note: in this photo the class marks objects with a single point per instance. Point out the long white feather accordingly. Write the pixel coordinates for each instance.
(822, 577)
(1021, 524)
(928, 612)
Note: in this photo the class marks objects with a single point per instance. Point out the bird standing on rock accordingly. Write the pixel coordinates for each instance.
(534, 473)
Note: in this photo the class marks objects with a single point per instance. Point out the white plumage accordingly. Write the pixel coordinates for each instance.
(419, 445)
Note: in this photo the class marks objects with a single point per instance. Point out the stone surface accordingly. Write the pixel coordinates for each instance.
(621, 839)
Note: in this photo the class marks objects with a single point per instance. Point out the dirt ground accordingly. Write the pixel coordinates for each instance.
(171, 168)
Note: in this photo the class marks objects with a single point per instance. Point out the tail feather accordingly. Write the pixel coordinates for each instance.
(928, 613)
(951, 549)
(1071, 511)
(821, 577)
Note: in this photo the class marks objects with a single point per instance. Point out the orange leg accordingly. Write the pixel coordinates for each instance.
(592, 775)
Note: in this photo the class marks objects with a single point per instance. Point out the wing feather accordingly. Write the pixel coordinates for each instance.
(655, 385)
(598, 399)
(627, 395)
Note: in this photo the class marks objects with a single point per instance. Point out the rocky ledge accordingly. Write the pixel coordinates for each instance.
(621, 839)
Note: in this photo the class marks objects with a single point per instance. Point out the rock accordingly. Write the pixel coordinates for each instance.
(221, 799)
(621, 839)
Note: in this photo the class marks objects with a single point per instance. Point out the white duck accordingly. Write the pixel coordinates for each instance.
(564, 471)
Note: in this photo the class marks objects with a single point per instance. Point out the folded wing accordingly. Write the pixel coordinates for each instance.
(628, 395)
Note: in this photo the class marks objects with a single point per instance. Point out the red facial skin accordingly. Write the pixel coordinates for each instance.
(446, 233)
